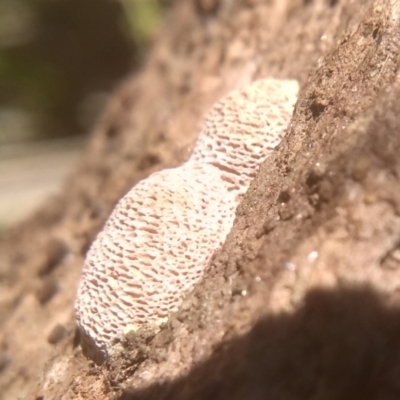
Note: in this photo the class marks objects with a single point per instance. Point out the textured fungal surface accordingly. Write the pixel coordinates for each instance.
(162, 234)
(243, 128)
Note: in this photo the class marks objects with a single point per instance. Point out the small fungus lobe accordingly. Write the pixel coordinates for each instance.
(161, 235)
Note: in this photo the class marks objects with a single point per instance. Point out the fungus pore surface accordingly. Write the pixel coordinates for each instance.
(161, 235)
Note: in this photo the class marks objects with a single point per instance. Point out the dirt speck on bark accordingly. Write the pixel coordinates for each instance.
(302, 300)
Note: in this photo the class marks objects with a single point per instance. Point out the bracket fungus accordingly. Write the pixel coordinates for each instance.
(161, 235)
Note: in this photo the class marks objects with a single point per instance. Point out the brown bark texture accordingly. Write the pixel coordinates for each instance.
(302, 301)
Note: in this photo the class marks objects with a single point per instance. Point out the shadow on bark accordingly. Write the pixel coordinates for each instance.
(341, 344)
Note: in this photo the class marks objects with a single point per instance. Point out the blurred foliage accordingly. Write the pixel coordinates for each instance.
(143, 17)
(59, 59)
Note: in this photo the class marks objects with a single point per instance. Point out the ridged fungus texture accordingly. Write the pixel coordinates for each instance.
(161, 235)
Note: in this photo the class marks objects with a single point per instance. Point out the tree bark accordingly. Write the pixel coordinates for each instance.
(302, 300)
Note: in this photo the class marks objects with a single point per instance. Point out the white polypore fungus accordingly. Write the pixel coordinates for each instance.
(161, 235)
(243, 128)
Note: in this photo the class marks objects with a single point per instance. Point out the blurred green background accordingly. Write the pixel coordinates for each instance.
(59, 62)
(59, 59)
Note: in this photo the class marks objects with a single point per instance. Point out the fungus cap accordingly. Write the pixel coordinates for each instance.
(243, 128)
(152, 250)
(161, 235)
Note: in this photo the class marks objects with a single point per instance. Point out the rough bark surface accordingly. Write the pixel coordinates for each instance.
(303, 299)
